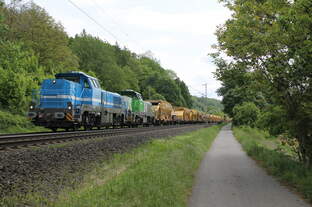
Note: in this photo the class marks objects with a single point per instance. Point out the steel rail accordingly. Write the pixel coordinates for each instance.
(25, 140)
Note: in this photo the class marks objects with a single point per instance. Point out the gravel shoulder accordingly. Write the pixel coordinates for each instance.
(227, 177)
(49, 169)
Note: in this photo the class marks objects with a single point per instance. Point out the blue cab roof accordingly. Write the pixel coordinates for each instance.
(74, 73)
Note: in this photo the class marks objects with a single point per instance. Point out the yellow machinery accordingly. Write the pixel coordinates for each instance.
(163, 111)
(194, 115)
(215, 118)
(201, 117)
(181, 114)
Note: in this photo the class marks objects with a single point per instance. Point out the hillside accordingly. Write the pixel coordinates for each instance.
(209, 105)
(25, 61)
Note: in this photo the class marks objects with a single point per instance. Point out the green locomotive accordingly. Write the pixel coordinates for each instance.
(142, 111)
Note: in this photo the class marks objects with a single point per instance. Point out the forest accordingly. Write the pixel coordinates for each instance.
(267, 73)
(209, 105)
(33, 46)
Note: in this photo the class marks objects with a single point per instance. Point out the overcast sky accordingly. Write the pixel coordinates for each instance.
(178, 32)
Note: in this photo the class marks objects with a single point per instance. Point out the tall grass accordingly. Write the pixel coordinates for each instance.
(277, 163)
(159, 173)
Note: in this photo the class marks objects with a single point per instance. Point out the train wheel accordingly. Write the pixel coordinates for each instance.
(54, 129)
(74, 128)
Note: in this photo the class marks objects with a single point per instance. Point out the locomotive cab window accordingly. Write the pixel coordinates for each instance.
(95, 83)
(69, 78)
(139, 96)
(86, 84)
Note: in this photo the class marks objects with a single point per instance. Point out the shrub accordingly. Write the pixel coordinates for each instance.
(245, 114)
(9, 120)
(273, 120)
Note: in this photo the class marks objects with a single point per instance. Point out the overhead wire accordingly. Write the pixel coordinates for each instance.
(109, 32)
(198, 91)
(94, 20)
(102, 27)
(98, 6)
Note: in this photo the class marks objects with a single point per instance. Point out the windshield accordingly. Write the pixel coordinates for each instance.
(69, 78)
(129, 94)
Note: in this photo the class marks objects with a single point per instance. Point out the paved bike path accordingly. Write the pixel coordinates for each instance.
(227, 177)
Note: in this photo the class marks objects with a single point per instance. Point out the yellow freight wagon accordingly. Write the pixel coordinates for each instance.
(194, 115)
(163, 111)
(181, 114)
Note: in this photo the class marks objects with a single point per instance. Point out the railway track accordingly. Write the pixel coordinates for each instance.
(14, 141)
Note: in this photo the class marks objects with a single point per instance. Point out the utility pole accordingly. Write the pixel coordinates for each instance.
(206, 85)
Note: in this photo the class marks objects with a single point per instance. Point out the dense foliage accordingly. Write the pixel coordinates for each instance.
(209, 105)
(33, 46)
(245, 114)
(269, 42)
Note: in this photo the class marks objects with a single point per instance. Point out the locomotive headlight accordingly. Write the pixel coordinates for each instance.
(31, 107)
(54, 81)
(69, 105)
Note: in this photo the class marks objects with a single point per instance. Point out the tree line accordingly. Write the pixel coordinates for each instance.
(267, 79)
(33, 46)
(208, 105)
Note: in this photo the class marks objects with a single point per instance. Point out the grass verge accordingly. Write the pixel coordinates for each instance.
(11, 123)
(159, 173)
(278, 163)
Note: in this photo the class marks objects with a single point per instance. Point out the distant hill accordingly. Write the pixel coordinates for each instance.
(209, 105)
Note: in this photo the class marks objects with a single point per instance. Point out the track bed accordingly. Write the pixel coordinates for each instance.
(50, 168)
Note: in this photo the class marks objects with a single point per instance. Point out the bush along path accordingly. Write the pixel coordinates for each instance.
(279, 161)
(228, 177)
(157, 173)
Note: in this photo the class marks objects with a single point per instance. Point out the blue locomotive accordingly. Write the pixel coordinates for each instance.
(75, 99)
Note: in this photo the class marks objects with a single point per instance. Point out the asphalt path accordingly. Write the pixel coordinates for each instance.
(227, 177)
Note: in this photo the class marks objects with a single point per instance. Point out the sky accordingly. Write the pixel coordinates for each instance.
(179, 33)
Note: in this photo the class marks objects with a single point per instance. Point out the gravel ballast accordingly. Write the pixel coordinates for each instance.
(49, 169)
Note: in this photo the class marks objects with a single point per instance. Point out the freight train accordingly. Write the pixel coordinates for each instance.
(74, 99)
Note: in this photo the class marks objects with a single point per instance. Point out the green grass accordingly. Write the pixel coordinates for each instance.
(279, 163)
(159, 173)
(12, 123)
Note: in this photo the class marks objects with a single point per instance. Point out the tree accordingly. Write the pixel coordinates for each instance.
(208, 105)
(272, 39)
(273, 119)
(238, 85)
(19, 69)
(33, 46)
(98, 56)
(20, 74)
(245, 114)
(39, 32)
(185, 93)
(166, 87)
(165, 83)
(3, 27)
